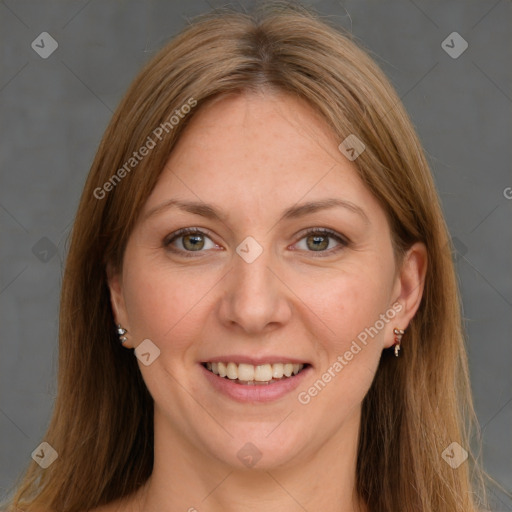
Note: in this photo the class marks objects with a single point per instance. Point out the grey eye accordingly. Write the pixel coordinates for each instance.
(321, 241)
(189, 240)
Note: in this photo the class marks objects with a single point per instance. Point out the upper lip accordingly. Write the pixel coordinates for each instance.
(255, 361)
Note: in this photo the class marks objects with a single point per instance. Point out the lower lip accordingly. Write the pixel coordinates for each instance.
(257, 393)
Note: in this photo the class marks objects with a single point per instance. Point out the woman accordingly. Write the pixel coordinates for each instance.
(261, 230)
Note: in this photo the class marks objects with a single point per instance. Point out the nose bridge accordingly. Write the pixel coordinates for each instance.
(252, 277)
(254, 298)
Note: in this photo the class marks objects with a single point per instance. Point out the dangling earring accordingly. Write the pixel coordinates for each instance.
(121, 332)
(398, 338)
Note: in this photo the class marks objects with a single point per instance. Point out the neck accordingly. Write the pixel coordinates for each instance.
(186, 479)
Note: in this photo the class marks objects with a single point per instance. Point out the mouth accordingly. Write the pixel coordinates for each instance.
(255, 375)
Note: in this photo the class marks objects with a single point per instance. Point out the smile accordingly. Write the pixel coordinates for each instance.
(249, 374)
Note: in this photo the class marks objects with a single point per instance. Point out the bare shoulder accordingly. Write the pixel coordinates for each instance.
(114, 506)
(109, 507)
(125, 504)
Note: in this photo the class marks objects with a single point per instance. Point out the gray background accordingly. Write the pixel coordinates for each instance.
(54, 111)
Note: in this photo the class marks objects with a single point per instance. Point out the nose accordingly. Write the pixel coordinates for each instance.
(256, 298)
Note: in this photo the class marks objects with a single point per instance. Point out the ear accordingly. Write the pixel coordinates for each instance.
(408, 288)
(115, 284)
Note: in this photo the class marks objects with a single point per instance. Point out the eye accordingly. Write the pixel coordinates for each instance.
(189, 240)
(319, 240)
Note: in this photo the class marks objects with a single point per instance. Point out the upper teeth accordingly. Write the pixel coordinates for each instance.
(249, 372)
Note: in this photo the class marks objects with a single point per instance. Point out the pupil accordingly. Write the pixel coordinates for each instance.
(195, 240)
(319, 242)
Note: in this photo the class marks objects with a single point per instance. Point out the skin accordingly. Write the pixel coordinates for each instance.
(252, 156)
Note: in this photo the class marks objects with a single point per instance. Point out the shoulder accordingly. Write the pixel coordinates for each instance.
(126, 504)
(109, 507)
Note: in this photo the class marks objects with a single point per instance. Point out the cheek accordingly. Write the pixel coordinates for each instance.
(164, 304)
(351, 348)
(360, 309)
(347, 303)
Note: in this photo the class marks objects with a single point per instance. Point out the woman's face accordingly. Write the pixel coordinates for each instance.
(251, 285)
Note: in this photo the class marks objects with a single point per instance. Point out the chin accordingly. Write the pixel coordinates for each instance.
(259, 448)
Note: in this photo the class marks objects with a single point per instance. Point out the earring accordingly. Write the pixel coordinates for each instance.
(121, 332)
(398, 338)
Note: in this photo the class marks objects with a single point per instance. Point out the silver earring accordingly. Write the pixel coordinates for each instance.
(398, 339)
(121, 332)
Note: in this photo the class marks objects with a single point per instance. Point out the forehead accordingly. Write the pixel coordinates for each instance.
(254, 151)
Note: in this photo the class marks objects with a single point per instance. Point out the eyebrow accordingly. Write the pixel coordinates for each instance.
(296, 211)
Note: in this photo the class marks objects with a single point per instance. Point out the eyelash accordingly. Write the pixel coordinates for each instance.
(314, 231)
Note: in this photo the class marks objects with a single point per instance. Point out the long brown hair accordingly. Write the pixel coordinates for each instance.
(102, 425)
